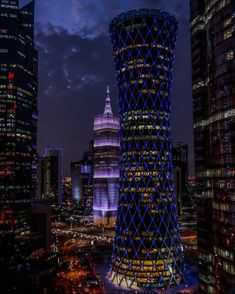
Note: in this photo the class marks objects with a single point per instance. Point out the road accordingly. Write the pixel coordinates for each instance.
(75, 275)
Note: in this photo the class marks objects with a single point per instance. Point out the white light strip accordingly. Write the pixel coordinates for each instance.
(215, 118)
(200, 84)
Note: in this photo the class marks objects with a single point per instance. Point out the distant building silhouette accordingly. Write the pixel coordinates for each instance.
(49, 176)
(41, 224)
(180, 168)
(82, 182)
(75, 169)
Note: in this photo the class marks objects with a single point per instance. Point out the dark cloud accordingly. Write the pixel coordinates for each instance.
(92, 17)
(73, 74)
(75, 65)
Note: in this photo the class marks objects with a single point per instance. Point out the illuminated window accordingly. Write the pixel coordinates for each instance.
(229, 55)
(227, 34)
(227, 22)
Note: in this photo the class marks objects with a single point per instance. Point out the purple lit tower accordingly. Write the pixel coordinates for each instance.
(106, 166)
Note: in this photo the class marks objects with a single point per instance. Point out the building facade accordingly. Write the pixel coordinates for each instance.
(213, 75)
(87, 182)
(41, 225)
(147, 248)
(49, 176)
(67, 189)
(18, 127)
(106, 166)
(75, 169)
(82, 182)
(180, 168)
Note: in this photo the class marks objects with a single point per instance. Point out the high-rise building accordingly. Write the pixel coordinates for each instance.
(39, 195)
(82, 182)
(180, 168)
(147, 248)
(18, 126)
(213, 76)
(75, 169)
(106, 166)
(67, 189)
(41, 225)
(49, 180)
(87, 181)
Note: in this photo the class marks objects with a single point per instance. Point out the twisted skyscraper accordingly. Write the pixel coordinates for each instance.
(147, 249)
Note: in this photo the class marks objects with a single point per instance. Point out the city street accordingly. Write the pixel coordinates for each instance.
(84, 262)
(75, 274)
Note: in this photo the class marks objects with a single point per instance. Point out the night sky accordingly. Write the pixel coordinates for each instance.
(76, 64)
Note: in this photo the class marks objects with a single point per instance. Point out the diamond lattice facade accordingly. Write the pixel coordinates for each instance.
(147, 249)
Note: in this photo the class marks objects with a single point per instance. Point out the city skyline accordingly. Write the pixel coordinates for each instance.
(132, 216)
(65, 31)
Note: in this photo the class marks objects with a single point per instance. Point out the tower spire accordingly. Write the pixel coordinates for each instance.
(108, 108)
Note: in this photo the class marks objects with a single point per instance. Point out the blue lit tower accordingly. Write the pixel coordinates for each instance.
(147, 249)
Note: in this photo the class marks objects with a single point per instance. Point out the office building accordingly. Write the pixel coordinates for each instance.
(106, 166)
(213, 77)
(82, 182)
(67, 189)
(180, 168)
(147, 249)
(41, 225)
(49, 176)
(75, 169)
(18, 127)
(41, 165)
(87, 181)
